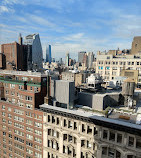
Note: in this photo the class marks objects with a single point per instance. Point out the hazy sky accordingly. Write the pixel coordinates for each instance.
(72, 25)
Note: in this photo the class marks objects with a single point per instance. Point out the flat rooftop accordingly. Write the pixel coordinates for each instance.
(114, 123)
(23, 73)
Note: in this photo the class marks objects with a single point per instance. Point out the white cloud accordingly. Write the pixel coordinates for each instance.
(5, 9)
(74, 37)
(11, 2)
(41, 21)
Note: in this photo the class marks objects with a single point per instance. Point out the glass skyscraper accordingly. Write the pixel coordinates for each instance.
(48, 54)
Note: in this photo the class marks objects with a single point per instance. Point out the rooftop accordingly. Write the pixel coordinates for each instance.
(113, 122)
(23, 73)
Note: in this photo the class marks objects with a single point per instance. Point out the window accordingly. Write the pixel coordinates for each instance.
(20, 87)
(9, 122)
(4, 133)
(38, 155)
(37, 124)
(89, 130)
(65, 137)
(29, 136)
(119, 138)
(38, 117)
(75, 126)
(112, 136)
(9, 116)
(29, 106)
(31, 88)
(38, 140)
(37, 147)
(28, 114)
(95, 131)
(18, 146)
(12, 93)
(17, 111)
(57, 121)
(12, 85)
(3, 107)
(53, 119)
(138, 143)
(29, 151)
(24, 79)
(69, 124)
(6, 85)
(29, 129)
(18, 125)
(131, 141)
(105, 134)
(13, 100)
(38, 132)
(104, 151)
(17, 118)
(36, 89)
(3, 113)
(29, 122)
(83, 128)
(18, 132)
(29, 144)
(29, 98)
(7, 92)
(48, 118)
(65, 123)
(4, 120)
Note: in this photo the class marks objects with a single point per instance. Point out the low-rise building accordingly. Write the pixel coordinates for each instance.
(74, 133)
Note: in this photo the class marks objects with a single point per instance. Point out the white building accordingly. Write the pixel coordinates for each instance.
(110, 66)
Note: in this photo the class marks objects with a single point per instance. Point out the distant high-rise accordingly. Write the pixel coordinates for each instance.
(48, 54)
(34, 55)
(61, 61)
(90, 59)
(81, 56)
(67, 59)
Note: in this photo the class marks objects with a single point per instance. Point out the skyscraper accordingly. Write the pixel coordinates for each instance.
(34, 54)
(67, 59)
(48, 54)
(90, 59)
(81, 56)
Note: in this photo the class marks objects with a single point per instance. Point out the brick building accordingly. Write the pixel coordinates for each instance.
(20, 121)
(12, 57)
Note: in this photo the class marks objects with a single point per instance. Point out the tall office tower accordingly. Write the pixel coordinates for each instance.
(136, 45)
(81, 56)
(85, 60)
(67, 59)
(90, 59)
(21, 128)
(48, 54)
(34, 53)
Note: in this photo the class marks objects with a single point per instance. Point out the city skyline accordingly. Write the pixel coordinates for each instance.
(72, 26)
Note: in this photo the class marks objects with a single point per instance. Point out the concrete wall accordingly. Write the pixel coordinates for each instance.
(98, 101)
(64, 91)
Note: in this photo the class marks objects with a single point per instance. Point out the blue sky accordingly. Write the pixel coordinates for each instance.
(72, 25)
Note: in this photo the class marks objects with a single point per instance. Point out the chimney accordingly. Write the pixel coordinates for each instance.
(47, 99)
